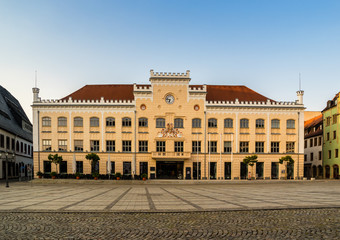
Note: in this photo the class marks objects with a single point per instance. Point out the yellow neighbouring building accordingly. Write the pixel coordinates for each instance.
(170, 130)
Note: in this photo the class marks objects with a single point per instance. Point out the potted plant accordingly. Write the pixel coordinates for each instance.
(144, 176)
(53, 175)
(118, 175)
(78, 175)
(39, 174)
(95, 175)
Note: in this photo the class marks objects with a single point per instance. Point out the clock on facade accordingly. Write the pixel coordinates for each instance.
(169, 99)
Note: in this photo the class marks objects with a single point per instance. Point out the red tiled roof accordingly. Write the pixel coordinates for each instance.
(125, 92)
(313, 121)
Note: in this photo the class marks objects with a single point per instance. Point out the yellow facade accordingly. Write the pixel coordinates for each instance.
(189, 103)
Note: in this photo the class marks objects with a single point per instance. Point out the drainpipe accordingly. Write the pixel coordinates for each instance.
(205, 143)
(134, 154)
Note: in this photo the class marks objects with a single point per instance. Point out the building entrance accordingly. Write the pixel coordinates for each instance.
(169, 170)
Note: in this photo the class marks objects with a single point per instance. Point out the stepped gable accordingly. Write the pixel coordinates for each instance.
(125, 92)
(231, 93)
(108, 91)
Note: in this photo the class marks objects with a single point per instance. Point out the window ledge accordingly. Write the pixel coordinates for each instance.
(62, 131)
(110, 132)
(94, 131)
(78, 132)
(46, 131)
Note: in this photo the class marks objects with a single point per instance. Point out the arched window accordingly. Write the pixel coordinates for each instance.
(259, 123)
(228, 123)
(275, 123)
(178, 123)
(94, 122)
(142, 122)
(78, 121)
(46, 122)
(110, 122)
(126, 122)
(212, 122)
(160, 123)
(244, 123)
(290, 124)
(62, 122)
(196, 123)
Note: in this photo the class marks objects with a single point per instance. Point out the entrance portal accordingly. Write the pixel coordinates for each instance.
(169, 170)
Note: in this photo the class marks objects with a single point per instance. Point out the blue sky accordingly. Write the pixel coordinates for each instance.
(261, 44)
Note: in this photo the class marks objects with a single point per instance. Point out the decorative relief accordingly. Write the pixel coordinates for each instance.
(170, 132)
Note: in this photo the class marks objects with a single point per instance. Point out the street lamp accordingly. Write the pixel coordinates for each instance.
(5, 156)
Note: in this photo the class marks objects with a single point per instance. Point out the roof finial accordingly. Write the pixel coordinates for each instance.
(36, 79)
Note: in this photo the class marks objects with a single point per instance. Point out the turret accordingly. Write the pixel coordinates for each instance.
(300, 96)
(36, 97)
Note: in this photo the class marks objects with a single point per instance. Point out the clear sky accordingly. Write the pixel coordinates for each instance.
(263, 44)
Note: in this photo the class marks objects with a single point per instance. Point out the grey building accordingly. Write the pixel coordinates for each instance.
(15, 138)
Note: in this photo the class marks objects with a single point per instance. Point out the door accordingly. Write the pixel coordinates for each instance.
(196, 174)
(290, 170)
(213, 166)
(275, 170)
(143, 168)
(243, 171)
(227, 170)
(259, 170)
(188, 173)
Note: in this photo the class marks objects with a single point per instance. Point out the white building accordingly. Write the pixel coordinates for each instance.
(313, 147)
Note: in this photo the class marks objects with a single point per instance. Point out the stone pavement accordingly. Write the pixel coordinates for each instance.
(256, 210)
(169, 197)
(258, 224)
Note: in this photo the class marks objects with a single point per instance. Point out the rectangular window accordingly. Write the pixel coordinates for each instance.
(315, 142)
(126, 122)
(47, 166)
(290, 147)
(94, 144)
(8, 143)
(305, 143)
(46, 145)
(78, 122)
(335, 118)
(79, 167)
(196, 123)
(62, 122)
(2, 141)
(110, 146)
(275, 147)
(113, 168)
(327, 136)
(259, 147)
(328, 121)
(305, 157)
(244, 147)
(212, 146)
(311, 142)
(94, 122)
(336, 153)
(127, 168)
(143, 146)
(311, 156)
(334, 134)
(78, 146)
(46, 122)
(126, 146)
(110, 122)
(179, 147)
(227, 147)
(196, 146)
(320, 155)
(143, 122)
(62, 145)
(63, 167)
(160, 146)
(319, 141)
(329, 154)
(13, 144)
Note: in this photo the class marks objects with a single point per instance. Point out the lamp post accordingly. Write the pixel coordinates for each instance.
(6, 157)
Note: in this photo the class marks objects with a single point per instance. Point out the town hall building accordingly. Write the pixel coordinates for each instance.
(170, 129)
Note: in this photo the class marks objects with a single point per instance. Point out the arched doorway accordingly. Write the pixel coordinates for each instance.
(320, 171)
(327, 172)
(335, 171)
(314, 171)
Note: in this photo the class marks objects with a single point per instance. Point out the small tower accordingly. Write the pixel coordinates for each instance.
(300, 96)
(36, 97)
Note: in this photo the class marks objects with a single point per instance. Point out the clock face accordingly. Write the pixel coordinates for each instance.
(169, 99)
